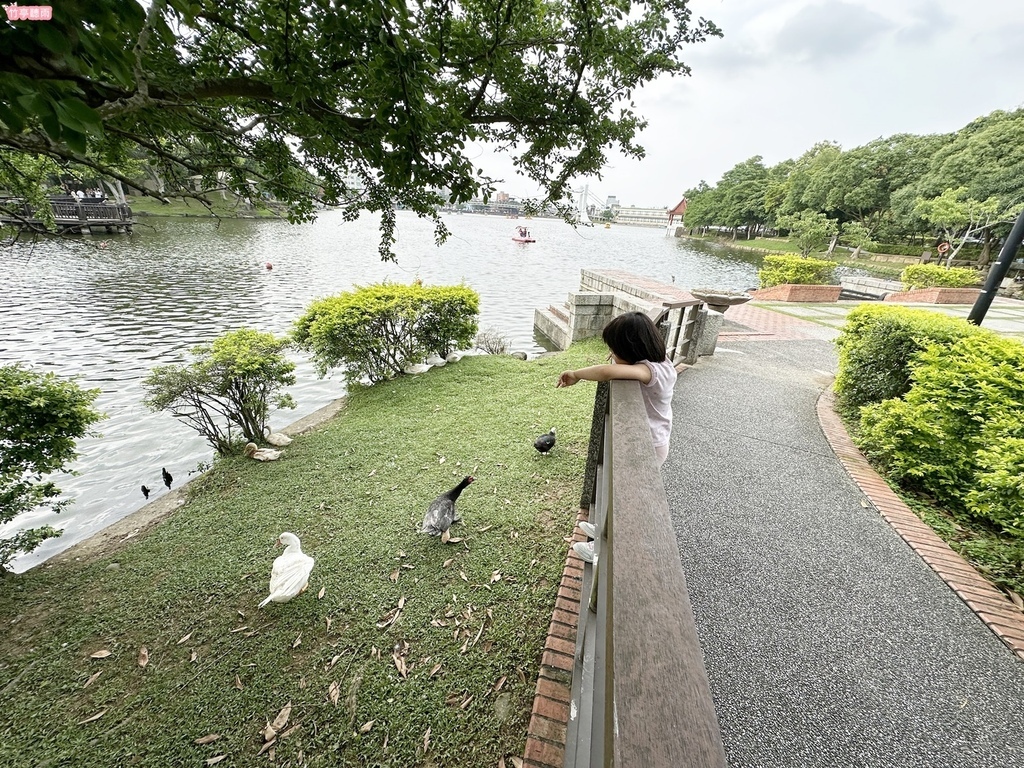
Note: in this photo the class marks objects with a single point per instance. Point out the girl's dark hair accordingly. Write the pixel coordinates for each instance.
(633, 337)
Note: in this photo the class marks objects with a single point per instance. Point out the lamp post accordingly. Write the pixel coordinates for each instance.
(998, 272)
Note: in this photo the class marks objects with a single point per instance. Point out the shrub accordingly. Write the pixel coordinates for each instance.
(493, 342)
(950, 432)
(998, 492)
(41, 418)
(937, 276)
(792, 268)
(225, 394)
(876, 346)
(376, 331)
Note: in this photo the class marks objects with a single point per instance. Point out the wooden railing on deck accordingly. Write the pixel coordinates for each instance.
(640, 693)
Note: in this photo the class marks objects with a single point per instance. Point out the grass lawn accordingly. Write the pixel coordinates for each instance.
(403, 651)
(149, 206)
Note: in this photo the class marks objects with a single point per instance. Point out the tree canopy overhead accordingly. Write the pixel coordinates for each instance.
(366, 105)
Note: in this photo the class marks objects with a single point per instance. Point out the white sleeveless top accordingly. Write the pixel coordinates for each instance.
(657, 395)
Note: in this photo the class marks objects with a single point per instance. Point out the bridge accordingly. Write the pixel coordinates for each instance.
(72, 217)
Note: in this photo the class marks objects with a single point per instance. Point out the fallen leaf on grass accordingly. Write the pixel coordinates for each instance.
(238, 629)
(426, 741)
(462, 575)
(500, 683)
(184, 639)
(448, 562)
(403, 670)
(445, 537)
(101, 654)
(238, 682)
(365, 727)
(1016, 599)
(495, 576)
(484, 529)
(97, 716)
(297, 641)
(321, 593)
(194, 655)
(454, 539)
(267, 746)
(517, 762)
(394, 575)
(268, 733)
(465, 702)
(208, 739)
(289, 732)
(143, 656)
(92, 679)
(282, 717)
(334, 692)
(217, 759)
(435, 670)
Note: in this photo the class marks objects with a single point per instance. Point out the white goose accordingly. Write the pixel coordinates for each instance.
(280, 439)
(417, 368)
(436, 360)
(290, 573)
(253, 451)
(454, 357)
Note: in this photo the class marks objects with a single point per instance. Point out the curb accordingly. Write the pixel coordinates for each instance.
(990, 605)
(545, 737)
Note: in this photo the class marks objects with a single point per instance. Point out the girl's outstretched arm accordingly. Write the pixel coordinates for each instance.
(637, 372)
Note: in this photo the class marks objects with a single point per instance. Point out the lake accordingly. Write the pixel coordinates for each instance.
(107, 315)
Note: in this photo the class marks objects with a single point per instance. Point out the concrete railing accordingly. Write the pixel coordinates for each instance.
(640, 693)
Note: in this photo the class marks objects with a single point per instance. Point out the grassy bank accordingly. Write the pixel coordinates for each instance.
(143, 205)
(403, 652)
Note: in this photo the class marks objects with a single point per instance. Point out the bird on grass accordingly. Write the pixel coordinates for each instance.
(145, 491)
(279, 439)
(545, 442)
(167, 478)
(253, 451)
(441, 512)
(289, 575)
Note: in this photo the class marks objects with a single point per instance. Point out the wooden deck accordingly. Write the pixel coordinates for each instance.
(72, 217)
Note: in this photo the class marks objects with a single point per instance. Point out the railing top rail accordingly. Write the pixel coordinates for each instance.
(664, 711)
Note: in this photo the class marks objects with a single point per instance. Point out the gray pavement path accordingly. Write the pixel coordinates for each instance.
(828, 641)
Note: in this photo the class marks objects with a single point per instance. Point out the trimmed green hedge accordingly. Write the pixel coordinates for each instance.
(958, 432)
(936, 275)
(876, 346)
(376, 331)
(791, 268)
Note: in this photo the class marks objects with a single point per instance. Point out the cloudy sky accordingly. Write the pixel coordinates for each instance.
(790, 73)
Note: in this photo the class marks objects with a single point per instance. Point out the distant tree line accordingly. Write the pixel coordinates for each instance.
(960, 188)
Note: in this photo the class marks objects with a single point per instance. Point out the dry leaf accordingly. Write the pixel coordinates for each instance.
(400, 665)
(238, 629)
(194, 655)
(441, 460)
(329, 621)
(462, 575)
(426, 741)
(208, 739)
(238, 682)
(334, 661)
(500, 683)
(517, 762)
(217, 759)
(454, 539)
(269, 733)
(501, 762)
(289, 732)
(435, 670)
(465, 702)
(372, 473)
(321, 593)
(297, 641)
(143, 656)
(184, 639)
(495, 576)
(533, 562)
(92, 679)
(448, 562)
(445, 537)
(282, 717)
(365, 727)
(1016, 599)
(97, 716)
(101, 654)
(401, 602)
(389, 618)
(394, 575)
(484, 529)
(334, 692)
(267, 746)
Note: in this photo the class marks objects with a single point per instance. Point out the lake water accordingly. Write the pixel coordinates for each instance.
(109, 315)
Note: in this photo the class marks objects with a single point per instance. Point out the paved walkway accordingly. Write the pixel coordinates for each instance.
(830, 639)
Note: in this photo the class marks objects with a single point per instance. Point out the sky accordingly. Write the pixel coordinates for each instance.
(788, 74)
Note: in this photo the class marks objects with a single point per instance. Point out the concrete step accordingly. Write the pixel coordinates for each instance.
(562, 313)
(555, 326)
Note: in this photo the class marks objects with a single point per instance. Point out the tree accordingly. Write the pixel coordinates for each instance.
(226, 393)
(960, 218)
(41, 418)
(810, 230)
(367, 106)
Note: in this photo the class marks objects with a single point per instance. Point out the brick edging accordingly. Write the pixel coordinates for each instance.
(990, 605)
(545, 737)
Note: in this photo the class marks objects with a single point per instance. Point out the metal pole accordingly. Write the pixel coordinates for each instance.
(998, 272)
